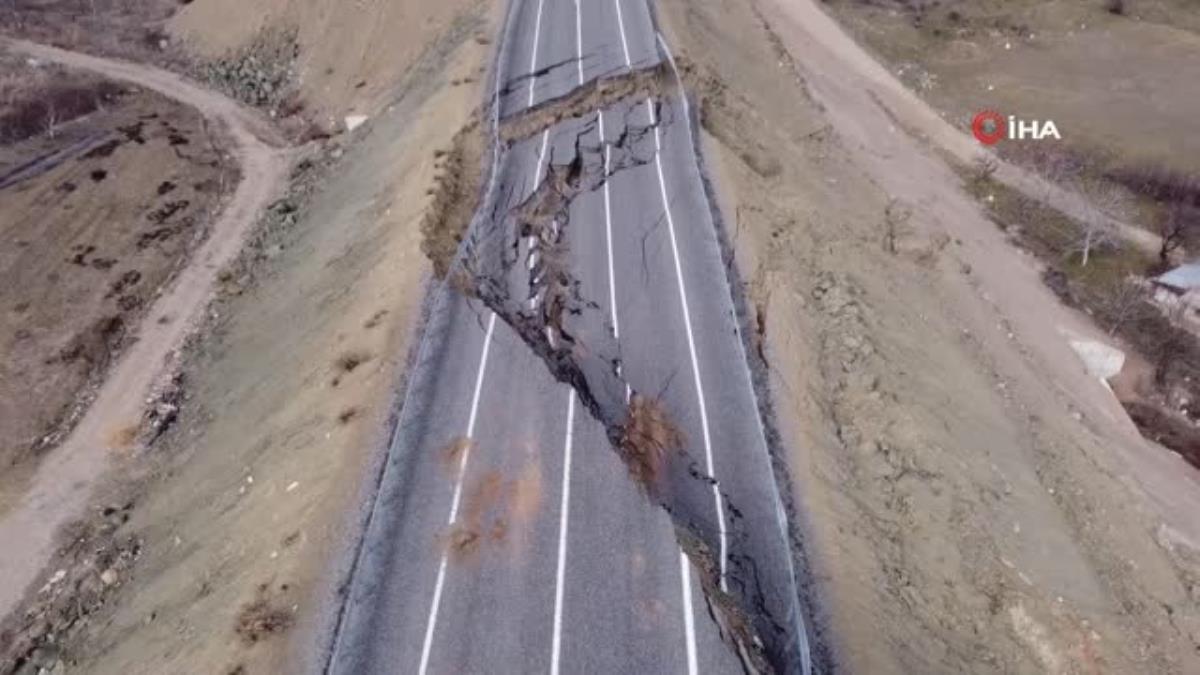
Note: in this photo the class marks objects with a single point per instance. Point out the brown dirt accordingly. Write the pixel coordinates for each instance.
(92, 241)
(582, 101)
(263, 618)
(351, 59)
(1116, 86)
(451, 455)
(972, 499)
(61, 486)
(455, 196)
(132, 29)
(255, 478)
(498, 512)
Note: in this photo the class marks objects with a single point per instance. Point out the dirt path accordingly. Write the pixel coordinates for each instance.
(62, 485)
(828, 42)
(878, 116)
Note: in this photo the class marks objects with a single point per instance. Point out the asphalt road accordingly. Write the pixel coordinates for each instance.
(507, 536)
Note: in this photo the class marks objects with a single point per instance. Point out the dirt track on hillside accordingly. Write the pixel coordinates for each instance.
(62, 485)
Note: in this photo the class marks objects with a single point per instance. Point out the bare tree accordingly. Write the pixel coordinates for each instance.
(1096, 232)
(983, 167)
(1124, 303)
(51, 117)
(1180, 226)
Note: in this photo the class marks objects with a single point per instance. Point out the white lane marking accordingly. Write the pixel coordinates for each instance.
(537, 36)
(565, 507)
(462, 471)
(691, 340)
(685, 575)
(780, 516)
(612, 280)
(624, 41)
(608, 240)
(439, 584)
(564, 515)
(689, 621)
(534, 242)
(579, 40)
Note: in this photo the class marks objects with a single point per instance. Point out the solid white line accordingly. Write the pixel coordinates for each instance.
(564, 515)
(431, 623)
(691, 340)
(689, 623)
(780, 516)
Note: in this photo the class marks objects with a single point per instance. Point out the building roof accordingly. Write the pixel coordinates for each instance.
(1185, 277)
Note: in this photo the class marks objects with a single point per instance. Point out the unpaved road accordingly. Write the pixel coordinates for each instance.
(507, 535)
(61, 488)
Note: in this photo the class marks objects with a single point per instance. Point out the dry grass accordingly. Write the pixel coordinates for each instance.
(455, 196)
(260, 619)
(647, 438)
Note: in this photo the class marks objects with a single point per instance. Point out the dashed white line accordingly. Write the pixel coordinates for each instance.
(691, 341)
(564, 515)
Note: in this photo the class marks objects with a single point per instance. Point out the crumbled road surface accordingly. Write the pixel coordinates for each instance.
(507, 534)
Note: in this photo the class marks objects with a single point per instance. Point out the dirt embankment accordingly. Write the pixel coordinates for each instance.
(233, 515)
(974, 500)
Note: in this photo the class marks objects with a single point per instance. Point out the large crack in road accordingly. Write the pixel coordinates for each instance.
(516, 261)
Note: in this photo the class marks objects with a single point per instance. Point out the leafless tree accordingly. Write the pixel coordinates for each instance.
(51, 118)
(983, 167)
(1096, 232)
(1180, 227)
(1124, 303)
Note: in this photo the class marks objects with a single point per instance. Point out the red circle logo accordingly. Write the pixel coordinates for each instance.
(989, 118)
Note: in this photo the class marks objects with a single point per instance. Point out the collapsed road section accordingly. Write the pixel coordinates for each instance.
(592, 272)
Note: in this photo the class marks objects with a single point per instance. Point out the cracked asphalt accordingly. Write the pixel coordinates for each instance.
(598, 275)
